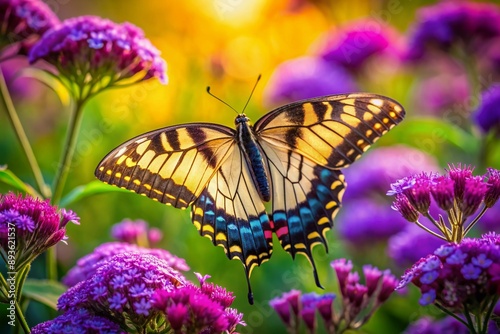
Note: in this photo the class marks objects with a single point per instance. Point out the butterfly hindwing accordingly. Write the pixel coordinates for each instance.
(332, 131)
(170, 165)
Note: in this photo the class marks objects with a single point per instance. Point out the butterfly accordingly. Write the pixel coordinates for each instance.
(292, 157)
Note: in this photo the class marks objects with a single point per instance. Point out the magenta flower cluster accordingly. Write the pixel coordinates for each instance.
(94, 53)
(359, 301)
(33, 224)
(458, 193)
(203, 309)
(23, 22)
(461, 278)
(87, 265)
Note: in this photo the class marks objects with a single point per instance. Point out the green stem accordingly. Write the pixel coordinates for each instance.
(472, 223)
(8, 105)
(452, 315)
(21, 319)
(68, 151)
(487, 316)
(62, 174)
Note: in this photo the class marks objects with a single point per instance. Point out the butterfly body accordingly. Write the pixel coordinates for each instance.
(291, 157)
(250, 147)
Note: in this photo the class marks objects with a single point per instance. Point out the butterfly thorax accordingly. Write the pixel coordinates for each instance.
(249, 146)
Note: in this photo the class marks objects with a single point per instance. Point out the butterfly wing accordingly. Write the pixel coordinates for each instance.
(171, 165)
(332, 131)
(306, 143)
(231, 214)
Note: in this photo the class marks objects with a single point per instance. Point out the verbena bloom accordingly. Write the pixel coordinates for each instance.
(22, 22)
(203, 309)
(462, 197)
(78, 321)
(461, 278)
(376, 222)
(487, 114)
(87, 265)
(401, 247)
(122, 288)
(359, 301)
(304, 78)
(448, 25)
(135, 232)
(353, 45)
(33, 224)
(91, 54)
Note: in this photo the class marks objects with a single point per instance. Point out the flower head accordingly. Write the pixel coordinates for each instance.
(122, 288)
(135, 232)
(78, 321)
(493, 191)
(87, 265)
(453, 24)
(458, 276)
(35, 224)
(304, 78)
(353, 45)
(23, 22)
(92, 54)
(487, 115)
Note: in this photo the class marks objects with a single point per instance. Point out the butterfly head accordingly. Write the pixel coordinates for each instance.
(241, 118)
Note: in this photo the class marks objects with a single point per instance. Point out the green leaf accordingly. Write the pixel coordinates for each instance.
(90, 189)
(9, 178)
(433, 130)
(43, 291)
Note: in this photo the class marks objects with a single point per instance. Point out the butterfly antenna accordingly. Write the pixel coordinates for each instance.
(220, 100)
(251, 93)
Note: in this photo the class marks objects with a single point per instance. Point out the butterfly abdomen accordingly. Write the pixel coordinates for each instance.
(249, 146)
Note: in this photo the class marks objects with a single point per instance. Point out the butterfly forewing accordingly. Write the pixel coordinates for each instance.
(171, 165)
(332, 131)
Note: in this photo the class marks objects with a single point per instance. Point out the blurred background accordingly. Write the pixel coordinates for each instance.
(226, 44)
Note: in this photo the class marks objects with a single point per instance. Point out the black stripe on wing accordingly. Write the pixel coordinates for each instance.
(332, 131)
(170, 165)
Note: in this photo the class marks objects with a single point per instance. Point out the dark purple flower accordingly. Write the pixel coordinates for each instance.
(459, 283)
(282, 307)
(35, 224)
(459, 175)
(493, 191)
(122, 288)
(107, 53)
(342, 269)
(443, 192)
(419, 194)
(308, 311)
(402, 246)
(474, 191)
(324, 306)
(22, 22)
(353, 45)
(78, 320)
(404, 207)
(190, 309)
(452, 24)
(304, 78)
(428, 326)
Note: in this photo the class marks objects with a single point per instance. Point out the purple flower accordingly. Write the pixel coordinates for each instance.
(22, 24)
(474, 191)
(404, 207)
(376, 222)
(453, 24)
(393, 163)
(192, 309)
(493, 191)
(308, 310)
(107, 53)
(87, 265)
(35, 224)
(487, 114)
(304, 78)
(459, 175)
(429, 326)
(112, 289)
(282, 307)
(443, 192)
(459, 283)
(135, 232)
(78, 320)
(353, 45)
